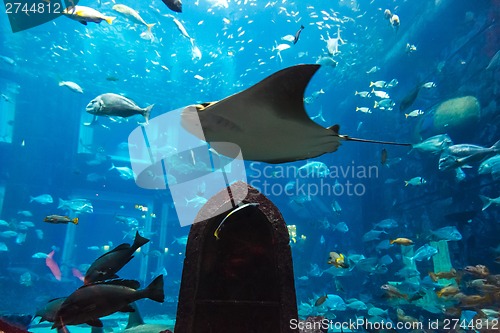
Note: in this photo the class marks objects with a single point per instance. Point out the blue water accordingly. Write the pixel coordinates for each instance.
(42, 152)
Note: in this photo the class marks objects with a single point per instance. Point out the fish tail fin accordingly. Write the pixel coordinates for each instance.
(110, 19)
(112, 167)
(75, 220)
(406, 183)
(147, 112)
(486, 201)
(496, 146)
(134, 318)
(412, 259)
(406, 115)
(155, 290)
(357, 109)
(391, 241)
(31, 199)
(375, 105)
(139, 241)
(61, 203)
(52, 265)
(371, 84)
(433, 276)
(150, 26)
(356, 93)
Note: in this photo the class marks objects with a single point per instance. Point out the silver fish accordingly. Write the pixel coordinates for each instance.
(424, 252)
(434, 144)
(115, 105)
(449, 233)
(458, 155)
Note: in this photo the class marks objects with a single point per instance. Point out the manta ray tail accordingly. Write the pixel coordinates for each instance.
(348, 138)
(336, 129)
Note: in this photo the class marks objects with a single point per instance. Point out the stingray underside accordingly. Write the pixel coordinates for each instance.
(267, 121)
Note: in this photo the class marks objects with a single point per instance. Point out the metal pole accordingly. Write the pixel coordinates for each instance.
(163, 237)
(67, 253)
(147, 231)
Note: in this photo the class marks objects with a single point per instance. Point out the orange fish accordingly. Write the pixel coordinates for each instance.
(478, 270)
(448, 291)
(443, 275)
(393, 292)
(52, 265)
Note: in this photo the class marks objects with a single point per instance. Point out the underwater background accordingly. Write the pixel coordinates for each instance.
(441, 50)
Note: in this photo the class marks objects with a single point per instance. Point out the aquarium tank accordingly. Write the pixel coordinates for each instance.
(334, 166)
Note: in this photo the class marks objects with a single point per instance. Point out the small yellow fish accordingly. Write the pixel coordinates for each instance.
(387, 14)
(414, 113)
(395, 21)
(363, 109)
(448, 291)
(337, 260)
(363, 94)
(378, 84)
(84, 14)
(58, 219)
(402, 241)
(405, 318)
(393, 292)
(443, 275)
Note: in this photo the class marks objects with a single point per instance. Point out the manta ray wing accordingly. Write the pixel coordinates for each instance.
(267, 121)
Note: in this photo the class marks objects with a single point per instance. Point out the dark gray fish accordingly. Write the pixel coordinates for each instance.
(110, 104)
(383, 156)
(409, 99)
(297, 35)
(48, 312)
(175, 5)
(106, 266)
(321, 300)
(14, 323)
(89, 303)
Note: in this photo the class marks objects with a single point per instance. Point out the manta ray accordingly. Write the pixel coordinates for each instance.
(267, 121)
